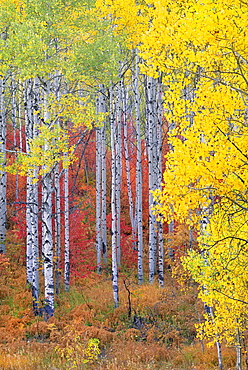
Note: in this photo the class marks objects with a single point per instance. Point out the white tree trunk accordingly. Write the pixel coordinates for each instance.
(101, 196)
(57, 226)
(28, 91)
(152, 171)
(209, 310)
(127, 163)
(3, 204)
(139, 208)
(118, 141)
(57, 223)
(113, 203)
(47, 238)
(103, 109)
(238, 351)
(32, 247)
(159, 181)
(15, 130)
(98, 192)
(47, 244)
(67, 231)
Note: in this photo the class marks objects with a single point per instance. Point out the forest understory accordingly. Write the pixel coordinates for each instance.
(153, 327)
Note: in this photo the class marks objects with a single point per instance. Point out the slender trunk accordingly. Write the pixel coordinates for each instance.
(238, 351)
(209, 310)
(57, 224)
(36, 259)
(171, 225)
(47, 239)
(113, 204)
(57, 227)
(139, 209)
(47, 244)
(32, 248)
(118, 141)
(103, 109)
(67, 231)
(3, 204)
(159, 182)
(28, 90)
(127, 164)
(104, 187)
(98, 193)
(14, 121)
(152, 173)
(35, 246)
(218, 344)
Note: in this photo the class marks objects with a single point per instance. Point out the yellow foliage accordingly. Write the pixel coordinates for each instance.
(76, 350)
(49, 147)
(81, 111)
(201, 49)
(222, 275)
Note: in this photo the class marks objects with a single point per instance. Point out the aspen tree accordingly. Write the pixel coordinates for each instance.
(32, 248)
(67, 231)
(159, 180)
(118, 173)
(139, 210)
(57, 195)
(103, 109)
(152, 170)
(127, 162)
(3, 205)
(101, 227)
(209, 309)
(113, 200)
(47, 233)
(14, 104)
(35, 211)
(57, 226)
(29, 193)
(98, 192)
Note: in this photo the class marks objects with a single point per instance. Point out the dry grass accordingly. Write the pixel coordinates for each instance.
(159, 334)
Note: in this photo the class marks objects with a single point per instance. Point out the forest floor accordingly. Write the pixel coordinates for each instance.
(153, 328)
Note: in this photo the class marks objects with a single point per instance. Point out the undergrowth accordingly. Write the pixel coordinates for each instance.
(153, 328)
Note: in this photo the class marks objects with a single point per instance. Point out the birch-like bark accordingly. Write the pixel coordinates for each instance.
(159, 181)
(171, 225)
(57, 227)
(113, 203)
(14, 122)
(67, 231)
(238, 351)
(139, 209)
(218, 344)
(98, 192)
(35, 246)
(47, 244)
(103, 109)
(29, 193)
(47, 239)
(127, 162)
(20, 123)
(3, 176)
(209, 310)
(3, 204)
(152, 171)
(118, 141)
(57, 224)
(31, 96)
(101, 211)
(35, 219)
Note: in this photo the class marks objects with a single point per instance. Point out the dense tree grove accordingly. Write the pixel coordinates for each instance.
(122, 124)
